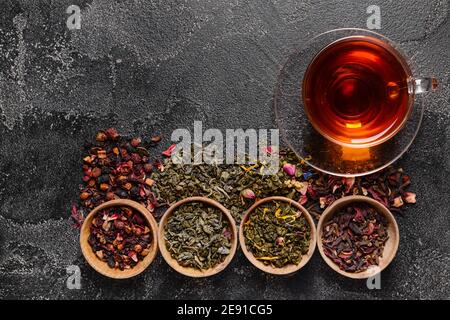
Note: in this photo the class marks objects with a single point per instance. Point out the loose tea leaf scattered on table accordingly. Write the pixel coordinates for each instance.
(120, 236)
(237, 187)
(277, 234)
(355, 237)
(198, 236)
(115, 167)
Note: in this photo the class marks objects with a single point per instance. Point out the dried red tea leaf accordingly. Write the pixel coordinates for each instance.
(77, 216)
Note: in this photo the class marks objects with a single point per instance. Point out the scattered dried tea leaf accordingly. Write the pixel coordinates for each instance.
(314, 190)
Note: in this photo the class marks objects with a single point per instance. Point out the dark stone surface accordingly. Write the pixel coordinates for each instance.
(153, 66)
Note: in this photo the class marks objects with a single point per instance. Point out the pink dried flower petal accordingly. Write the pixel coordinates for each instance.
(227, 233)
(289, 169)
(267, 150)
(169, 150)
(303, 188)
(358, 215)
(303, 199)
(348, 182)
(409, 197)
(335, 188)
(77, 216)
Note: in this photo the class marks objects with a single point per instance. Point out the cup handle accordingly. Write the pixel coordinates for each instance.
(423, 85)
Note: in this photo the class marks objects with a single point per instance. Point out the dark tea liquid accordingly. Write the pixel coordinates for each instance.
(355, 91)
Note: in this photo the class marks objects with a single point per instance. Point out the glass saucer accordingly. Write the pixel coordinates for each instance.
(308, 144)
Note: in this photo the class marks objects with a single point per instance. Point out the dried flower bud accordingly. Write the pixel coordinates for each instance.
(127, 211)
(100, 136)
(109, 196)
(135, 142)
(145, 252)
(137, 231)
(248, 194)
(112, 133)
(96, 172)
(119, 224)
(84, 195)
(289, 169)
(104, 186)
(138, 248)
(409, 197)
(279, 241)
(136, 158)
(148, 167)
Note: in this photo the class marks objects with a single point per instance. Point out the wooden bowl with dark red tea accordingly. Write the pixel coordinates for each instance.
(101, 266)
(347, 259)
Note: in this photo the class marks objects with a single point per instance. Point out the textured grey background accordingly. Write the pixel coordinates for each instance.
(153, 66)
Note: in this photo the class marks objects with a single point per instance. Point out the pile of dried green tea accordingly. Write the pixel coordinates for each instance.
(277, 234)
(198, 236)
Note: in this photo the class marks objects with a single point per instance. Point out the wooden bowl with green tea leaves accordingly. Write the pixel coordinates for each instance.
(277, 235)
(357, 236)
(197, 237)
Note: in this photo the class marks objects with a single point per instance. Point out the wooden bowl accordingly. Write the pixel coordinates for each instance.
(290, 268)
(188, 271)
(390, 248)
(101, 266)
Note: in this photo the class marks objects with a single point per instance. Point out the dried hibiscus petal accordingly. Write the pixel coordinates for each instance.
(168, 151)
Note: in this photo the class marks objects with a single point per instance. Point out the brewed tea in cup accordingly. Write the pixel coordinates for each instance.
(358, 91)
